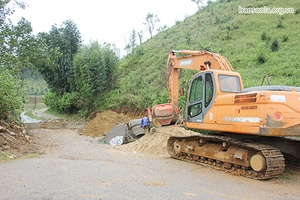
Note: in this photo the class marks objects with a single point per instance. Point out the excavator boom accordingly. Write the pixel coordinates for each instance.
(192, 60)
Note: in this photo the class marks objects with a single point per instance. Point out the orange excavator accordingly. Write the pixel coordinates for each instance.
(251, 132)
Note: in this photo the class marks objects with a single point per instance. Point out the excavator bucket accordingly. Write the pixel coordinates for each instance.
(166, 114)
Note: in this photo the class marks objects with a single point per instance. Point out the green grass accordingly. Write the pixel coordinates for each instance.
(5, 156)
(141, 77)
(67, 116)
(34, 102)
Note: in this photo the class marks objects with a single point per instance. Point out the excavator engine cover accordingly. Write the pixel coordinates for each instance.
(166, 114)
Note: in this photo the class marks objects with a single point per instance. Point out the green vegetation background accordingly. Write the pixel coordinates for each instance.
(255, 45)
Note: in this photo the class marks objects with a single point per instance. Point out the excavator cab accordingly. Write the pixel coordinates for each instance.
(204, 88)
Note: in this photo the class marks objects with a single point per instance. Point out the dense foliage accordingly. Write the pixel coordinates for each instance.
(79, 74)
(94, 66)
(63, 43)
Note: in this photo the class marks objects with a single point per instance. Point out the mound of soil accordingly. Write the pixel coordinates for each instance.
(103, 123)
(151, 144)
(156, 143)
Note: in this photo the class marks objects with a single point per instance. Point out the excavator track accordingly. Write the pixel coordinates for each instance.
(256, 161)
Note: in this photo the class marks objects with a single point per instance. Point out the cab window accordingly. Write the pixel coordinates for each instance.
(196, 90)
(209, 89)
(196, 93)
(229, 83)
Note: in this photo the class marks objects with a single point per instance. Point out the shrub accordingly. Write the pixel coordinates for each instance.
(69, 102)
(280, 25)
(66, 103)
(51, 101)
(275, 45)
(261, 58)
(285, 38)
(264, 36)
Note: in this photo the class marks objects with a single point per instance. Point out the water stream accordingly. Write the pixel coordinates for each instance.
(26, 119)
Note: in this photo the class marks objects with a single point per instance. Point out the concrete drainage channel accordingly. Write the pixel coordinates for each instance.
(55, 125)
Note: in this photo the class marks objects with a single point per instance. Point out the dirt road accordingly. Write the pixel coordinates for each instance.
(71, 166)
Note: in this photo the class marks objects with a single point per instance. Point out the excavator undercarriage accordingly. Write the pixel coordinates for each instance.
(252, 160)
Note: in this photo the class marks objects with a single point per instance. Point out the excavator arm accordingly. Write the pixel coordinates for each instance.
(192, 60)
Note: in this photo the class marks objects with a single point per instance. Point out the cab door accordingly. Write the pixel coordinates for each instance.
(200, 97)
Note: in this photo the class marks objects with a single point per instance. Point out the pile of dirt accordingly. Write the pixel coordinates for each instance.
(13, 138)
(151, 144)
(156, 143)
(103, 123)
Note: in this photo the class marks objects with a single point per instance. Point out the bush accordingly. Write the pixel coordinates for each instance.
(11, 96)
(275, 45)
(264, 36)
(69, 102)
(261, 58)
(51, 101)
(280, 25)
(66, 103)
(285, 38)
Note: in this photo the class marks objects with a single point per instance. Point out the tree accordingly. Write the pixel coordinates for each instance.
(20, 50)
(63, 44)
(94, 65)
(150, 23)
(140, 35)
(199, 3)
(132, 40)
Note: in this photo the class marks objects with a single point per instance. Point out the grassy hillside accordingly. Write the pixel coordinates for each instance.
(246, 40)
